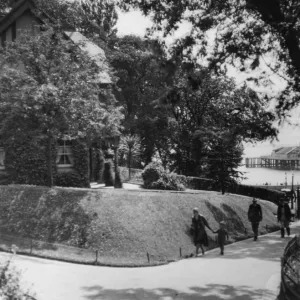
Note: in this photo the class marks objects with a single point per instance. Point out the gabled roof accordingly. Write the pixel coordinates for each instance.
(93, 51)
(285, 150)
(18, 10)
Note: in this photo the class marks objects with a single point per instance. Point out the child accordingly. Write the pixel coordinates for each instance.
(222, 234)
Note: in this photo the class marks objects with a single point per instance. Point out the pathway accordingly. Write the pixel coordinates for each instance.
(248, 271)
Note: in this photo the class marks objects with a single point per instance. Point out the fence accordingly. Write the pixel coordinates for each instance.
(67, 253)
(290, 271)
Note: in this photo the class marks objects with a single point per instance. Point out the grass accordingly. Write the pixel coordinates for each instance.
(122, 225)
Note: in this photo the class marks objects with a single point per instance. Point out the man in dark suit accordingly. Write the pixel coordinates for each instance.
(255, 216)
(284, 216)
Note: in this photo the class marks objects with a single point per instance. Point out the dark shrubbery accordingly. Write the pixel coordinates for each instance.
(108, 174)
(257, 192)
(155, 177)
(69, 179)
(25, 162)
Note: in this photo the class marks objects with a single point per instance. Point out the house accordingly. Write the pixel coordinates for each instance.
(24, 16)
(286, 152)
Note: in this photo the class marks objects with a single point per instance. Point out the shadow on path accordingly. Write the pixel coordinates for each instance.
(209, 292)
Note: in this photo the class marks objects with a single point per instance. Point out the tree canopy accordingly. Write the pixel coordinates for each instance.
(246, 33)
(93, 18)
(49, 88)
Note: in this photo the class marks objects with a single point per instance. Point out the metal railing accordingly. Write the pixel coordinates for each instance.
(290, 271)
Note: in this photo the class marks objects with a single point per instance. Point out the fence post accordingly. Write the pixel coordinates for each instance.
(31, 246)
(96, 256)
(180, 253)
(148, 257)
(298, 203)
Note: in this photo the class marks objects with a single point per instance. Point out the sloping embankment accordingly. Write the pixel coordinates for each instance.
(123, 225)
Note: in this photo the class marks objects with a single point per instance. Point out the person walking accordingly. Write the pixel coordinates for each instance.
(284, 216)
(222, 235)
(255, 216)
(198, 229)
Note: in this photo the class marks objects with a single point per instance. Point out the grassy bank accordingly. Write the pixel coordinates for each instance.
(121, 225)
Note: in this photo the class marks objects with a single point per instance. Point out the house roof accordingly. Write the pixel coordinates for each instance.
(285, 150)
(92, 50)
(18, 9)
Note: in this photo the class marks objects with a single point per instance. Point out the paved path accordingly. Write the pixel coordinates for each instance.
(248, 271)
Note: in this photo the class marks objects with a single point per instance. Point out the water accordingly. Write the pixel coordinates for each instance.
(259, 176)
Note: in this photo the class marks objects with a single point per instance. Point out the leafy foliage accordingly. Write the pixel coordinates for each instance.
(49, 88)
(140, 80)
(247, 33)
(130, 150)
(211, 117)
(93, 18)
(25, 161)
(10, 287)
(68, 179)
(155, 177)
(5, 6)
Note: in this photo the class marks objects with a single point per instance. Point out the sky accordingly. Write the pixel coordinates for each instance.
(135, 23)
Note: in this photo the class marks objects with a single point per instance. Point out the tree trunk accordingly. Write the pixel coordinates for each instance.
(129, 163)
(91, 173)
(118, 181)
(49, 161)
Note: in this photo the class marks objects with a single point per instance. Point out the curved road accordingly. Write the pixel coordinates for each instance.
(248, 271)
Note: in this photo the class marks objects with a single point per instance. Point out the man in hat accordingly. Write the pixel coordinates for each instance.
(284, 216)
(255, 216)
(198, 229)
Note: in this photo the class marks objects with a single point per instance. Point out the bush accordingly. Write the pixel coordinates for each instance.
(152, 173)
(155, 177)
(69, 179)
(10, 284)
(258, 192)
(107, 174)
(196, 183)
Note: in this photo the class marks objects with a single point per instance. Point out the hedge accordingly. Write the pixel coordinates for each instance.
(197, 183)
(25, 163)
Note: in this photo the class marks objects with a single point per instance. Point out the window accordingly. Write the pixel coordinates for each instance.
(64, 155)
(2, 156)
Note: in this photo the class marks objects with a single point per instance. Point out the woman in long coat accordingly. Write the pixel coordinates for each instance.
(198, 228)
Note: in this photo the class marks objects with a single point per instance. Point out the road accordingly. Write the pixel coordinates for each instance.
(248, 271)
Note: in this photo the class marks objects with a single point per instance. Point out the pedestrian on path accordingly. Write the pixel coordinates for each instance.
(222, 235)
(284, 216)
(198, 229)
(255, 216)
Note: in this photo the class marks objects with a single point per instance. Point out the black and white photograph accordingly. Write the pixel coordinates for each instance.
(149, 149)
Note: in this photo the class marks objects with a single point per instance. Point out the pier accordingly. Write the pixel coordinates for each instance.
(273, 163)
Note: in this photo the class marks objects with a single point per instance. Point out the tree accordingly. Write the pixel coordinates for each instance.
(5, 6)
(93, 18)
(130, 148)
(211, 117)
(141, 78)
(49, 90)
(247, 33)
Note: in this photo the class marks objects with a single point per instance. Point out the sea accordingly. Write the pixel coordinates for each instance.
(261, 176)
